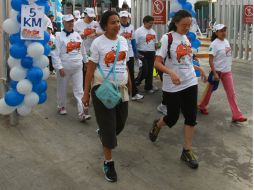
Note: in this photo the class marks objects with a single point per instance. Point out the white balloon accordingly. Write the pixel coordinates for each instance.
(45, 73)
(24, 110)
(11, 26)
(14, 14)
(31, 99)
(41, 61)
(18, 73)
(12, 62)
(175, 7)
(35, 50)
(4, 108)
(24, 87)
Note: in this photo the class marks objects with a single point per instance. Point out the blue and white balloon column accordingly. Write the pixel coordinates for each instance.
(188, 5)
(28, 65)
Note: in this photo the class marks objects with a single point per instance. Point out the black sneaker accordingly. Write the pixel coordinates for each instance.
(189, 158)
(153, 134)
(109, 171)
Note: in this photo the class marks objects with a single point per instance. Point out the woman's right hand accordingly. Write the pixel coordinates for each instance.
(174, 77)
(86, 99)
(216, 76)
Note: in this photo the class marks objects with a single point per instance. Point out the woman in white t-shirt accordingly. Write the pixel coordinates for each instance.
(220, 60)
(180, 84)
(110, 121)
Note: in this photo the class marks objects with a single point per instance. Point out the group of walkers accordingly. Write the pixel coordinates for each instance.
(99, 60)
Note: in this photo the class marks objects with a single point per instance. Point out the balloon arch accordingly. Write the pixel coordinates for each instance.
(28, 64)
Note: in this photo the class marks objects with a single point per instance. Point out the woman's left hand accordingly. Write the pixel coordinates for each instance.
(203, 75)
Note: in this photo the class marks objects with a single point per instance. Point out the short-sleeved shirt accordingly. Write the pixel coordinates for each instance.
(222, 53)
(103, 52)
(87, 28)
(128, 33)
(145, 39)
(180, 62)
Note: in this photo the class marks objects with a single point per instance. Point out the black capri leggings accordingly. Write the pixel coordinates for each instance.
(184, 101)
(110, 121)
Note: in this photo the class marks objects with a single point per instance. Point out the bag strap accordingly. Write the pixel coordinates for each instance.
(113, 67)
(170, 41)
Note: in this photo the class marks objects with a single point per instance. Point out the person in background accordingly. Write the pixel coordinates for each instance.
(220, 60)
(54, 24)
(127, 31)
(67, 60)
(88, 30)
(52, 46)
(76, 15)
(180, 84)
(146, 39)
(111, 122)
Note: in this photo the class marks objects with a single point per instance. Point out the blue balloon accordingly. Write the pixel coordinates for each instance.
(45, 5)
(192, 36)
(18, 51)
(35, 75)
(196, 44)
(17, 4)
(13, 98)
(41, 87)
(47, 49)
(182, 1)
(187, 6)
(27, 62)
(46, 37)
(42, 98)
(13, 84)
(193, 13)
(172, 14)
(19, 17)
(195, 62)
(15, 38)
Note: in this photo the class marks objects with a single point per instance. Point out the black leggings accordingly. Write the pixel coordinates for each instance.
(110, 121)
(184, 101)
(130, 65)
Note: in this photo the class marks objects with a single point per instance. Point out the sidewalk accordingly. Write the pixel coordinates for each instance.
(52, 152)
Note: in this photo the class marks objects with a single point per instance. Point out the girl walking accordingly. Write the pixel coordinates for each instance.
(180, 84)
(220, 60)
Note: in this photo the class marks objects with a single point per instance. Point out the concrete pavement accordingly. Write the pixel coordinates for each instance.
(47, 151)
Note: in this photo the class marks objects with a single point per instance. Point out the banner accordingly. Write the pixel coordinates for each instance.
(159, 11)
(32, 22)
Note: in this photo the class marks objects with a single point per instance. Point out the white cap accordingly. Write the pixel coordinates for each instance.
(68, 17)
(124, 14)
(76, 14)
(218, 27)
(90, 12)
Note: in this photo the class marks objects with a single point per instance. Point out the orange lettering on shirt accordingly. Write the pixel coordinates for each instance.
(149, 37)
(110, 57)
(182, 50)
(72, 46)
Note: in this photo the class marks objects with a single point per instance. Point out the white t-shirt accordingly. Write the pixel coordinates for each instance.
(128, 34)
(222, 53)
(68, 52)
(103, 51)
(180, 61)
(145, 39)
(87, 28)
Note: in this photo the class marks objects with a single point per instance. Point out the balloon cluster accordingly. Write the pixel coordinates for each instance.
(188, 5)
(28, 63)
(176, 5)
(59, 14)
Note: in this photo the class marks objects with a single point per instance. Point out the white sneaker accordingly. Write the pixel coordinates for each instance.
(137, 97)
(61, 110)
(162, 109)
(150, 91)
(84, 117)
(155, 88)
